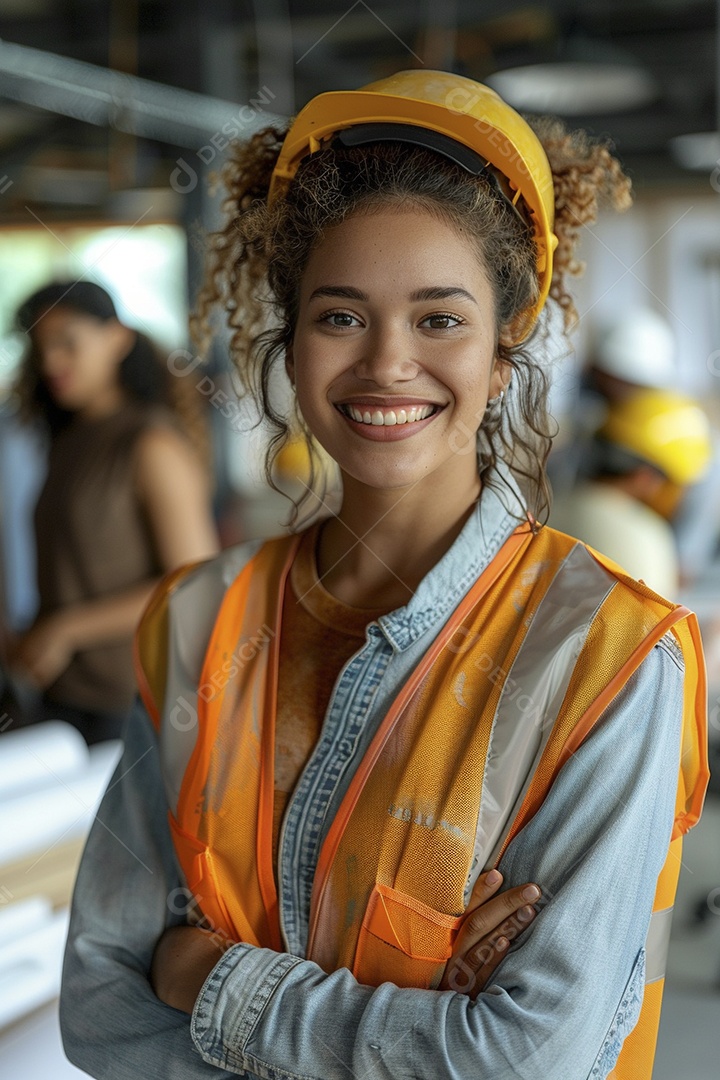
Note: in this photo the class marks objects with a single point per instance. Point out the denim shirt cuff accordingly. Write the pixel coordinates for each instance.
(232, 1000)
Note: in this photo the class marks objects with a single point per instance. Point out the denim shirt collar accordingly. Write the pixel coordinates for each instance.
(498, 511)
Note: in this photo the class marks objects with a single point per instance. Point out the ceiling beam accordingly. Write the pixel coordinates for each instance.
(127, 103)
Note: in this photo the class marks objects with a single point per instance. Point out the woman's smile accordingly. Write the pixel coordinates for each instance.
(374, 420)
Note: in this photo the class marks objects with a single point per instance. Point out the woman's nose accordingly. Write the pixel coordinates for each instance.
(387, 357)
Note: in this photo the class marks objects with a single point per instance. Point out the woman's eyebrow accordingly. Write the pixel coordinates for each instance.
(440, 292)
(347, 292)
(432, 292)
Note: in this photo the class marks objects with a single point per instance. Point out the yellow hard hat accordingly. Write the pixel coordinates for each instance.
(454, 115)
(665, 429)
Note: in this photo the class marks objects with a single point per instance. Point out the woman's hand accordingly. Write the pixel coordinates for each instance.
(185, 955)
(183, 958)
(44, 651)
(490, 924)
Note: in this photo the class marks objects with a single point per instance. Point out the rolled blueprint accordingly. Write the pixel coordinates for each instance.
(31, 966)
(33, 821)
(35, 756)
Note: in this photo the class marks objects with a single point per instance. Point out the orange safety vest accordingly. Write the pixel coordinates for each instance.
(508, 690)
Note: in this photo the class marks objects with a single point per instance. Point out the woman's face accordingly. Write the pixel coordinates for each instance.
(393, 356)
(79, 356)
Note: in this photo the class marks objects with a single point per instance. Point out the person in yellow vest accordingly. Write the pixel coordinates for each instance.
(348, 737)
(651, 445)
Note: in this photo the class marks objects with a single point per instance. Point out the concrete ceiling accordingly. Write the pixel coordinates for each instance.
(228, 49)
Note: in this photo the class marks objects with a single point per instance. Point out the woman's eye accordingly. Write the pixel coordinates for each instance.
(442, 321)
(339, 318)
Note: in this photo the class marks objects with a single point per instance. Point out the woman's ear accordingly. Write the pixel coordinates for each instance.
(122, 338)
(500, 378)
(290, 365)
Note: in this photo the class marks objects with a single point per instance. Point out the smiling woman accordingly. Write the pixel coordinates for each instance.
(443, 697)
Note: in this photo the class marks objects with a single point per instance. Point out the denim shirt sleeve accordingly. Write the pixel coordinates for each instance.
(570, 989)
(127, 891)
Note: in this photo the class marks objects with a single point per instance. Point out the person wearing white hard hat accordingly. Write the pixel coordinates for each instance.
(636, 349)
(629, 353)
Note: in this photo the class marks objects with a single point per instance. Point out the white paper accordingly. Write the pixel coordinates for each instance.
(34, 756)
(31, 968)
(62, 810)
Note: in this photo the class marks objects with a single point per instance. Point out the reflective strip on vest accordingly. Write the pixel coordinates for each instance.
(657, 945)
(532, 695)
(193, 609)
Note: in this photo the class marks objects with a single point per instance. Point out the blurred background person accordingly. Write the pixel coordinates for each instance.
(126, 498)
(637, 351)
(651, 446)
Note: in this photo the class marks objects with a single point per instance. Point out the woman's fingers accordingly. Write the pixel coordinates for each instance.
(468, 970)
(485, 887)
(470, 973)
(490, 925)
(485, 917)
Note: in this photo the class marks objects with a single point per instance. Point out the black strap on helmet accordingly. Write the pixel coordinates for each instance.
(431, 140)
(464, 156)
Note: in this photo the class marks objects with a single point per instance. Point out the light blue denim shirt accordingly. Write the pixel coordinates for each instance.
(558, 1006)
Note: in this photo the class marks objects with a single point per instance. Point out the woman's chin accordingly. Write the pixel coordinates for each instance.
(62, 395)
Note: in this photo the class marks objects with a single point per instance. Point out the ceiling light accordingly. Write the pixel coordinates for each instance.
(575, 88)
(579, 76)
(697, 150)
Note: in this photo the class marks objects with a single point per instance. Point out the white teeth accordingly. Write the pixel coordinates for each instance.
(390, 417)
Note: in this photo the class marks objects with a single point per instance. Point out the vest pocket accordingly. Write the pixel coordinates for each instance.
(403, 941)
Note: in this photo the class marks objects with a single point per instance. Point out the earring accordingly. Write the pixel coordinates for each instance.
(497, 402)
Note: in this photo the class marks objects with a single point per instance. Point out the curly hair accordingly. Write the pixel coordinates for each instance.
(143, 372)
(255, 262)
